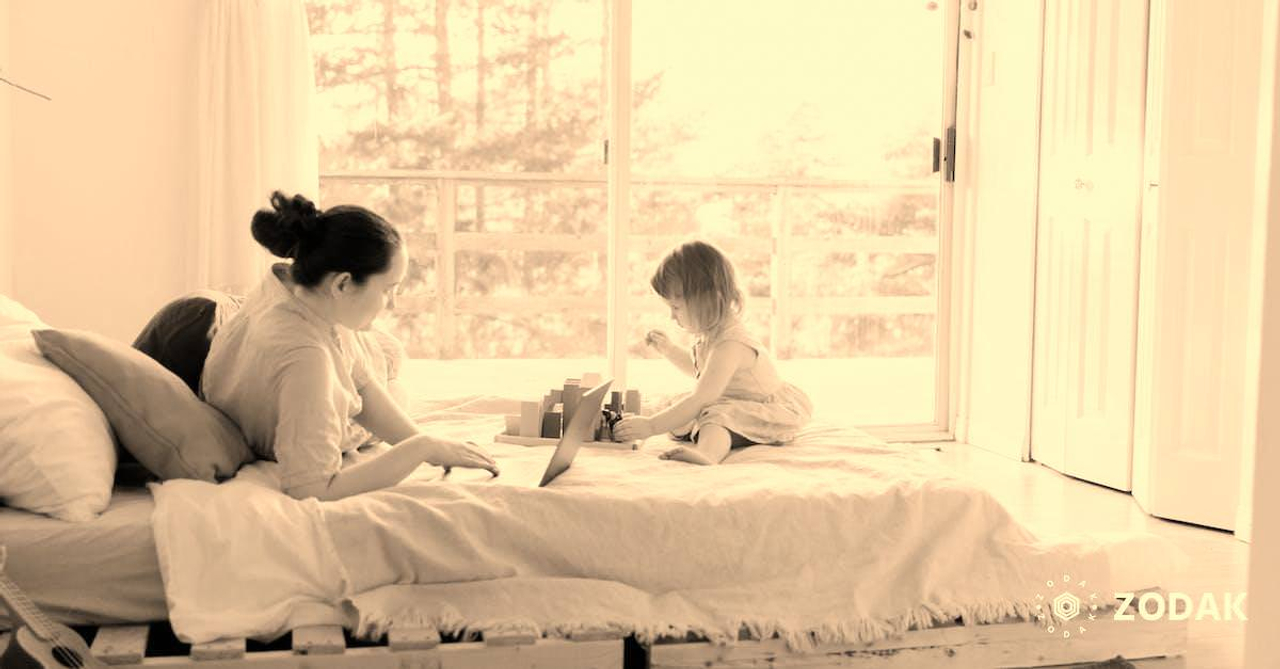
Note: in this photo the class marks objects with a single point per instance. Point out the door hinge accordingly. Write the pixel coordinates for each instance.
(606, 152)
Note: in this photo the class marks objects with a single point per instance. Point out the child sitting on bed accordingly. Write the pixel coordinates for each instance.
(738, 399)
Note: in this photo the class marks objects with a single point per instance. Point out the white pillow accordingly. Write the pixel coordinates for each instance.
(57, 456)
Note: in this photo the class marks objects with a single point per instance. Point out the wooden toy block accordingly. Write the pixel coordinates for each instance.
(615, 401)
(572, 394)
(530, 419)
(551, 423)
(632, 404)
(511, 424)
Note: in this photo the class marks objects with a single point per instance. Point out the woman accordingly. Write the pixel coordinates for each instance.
(288, 369)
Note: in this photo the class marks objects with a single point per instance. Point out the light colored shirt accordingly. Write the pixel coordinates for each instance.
(756, 381)
(291, 380)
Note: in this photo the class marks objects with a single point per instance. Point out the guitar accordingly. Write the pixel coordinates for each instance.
(39, 643)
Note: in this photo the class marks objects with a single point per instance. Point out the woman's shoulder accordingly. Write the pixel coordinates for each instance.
(269, 335)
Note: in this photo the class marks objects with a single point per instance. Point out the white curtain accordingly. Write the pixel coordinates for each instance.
(256, 131)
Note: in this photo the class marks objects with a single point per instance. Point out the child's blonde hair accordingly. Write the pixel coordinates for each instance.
(700, 274)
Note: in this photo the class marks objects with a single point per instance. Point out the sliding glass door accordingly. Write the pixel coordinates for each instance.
(797, 136)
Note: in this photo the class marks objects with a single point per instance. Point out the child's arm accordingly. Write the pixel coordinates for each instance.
(676, 355)
(724, 360)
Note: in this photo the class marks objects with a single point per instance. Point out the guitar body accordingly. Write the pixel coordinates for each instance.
(27, 651)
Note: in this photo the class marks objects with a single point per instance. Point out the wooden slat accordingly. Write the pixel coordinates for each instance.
(780, 276)
(536, 241)
(125, 644)
(319, 640)
(222, 649)
(863, 305)
(869, 244)
(446, 227)
(799, 306)
(532, 304)
(996, 645)
(518, 241)
(556, 653)
(413, 638)
(516, 634)
(595, 634)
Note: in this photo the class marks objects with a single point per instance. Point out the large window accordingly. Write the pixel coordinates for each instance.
(797, 136)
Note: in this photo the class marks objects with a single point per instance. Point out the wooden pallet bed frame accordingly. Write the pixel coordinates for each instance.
(1012, 643)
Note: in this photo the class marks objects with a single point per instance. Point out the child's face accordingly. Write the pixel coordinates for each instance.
(680, 313)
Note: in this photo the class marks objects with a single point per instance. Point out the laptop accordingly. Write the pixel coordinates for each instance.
(576, 432)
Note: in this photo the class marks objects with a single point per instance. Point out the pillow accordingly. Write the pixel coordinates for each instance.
(178, 336)
(57, 456)
(155, 415)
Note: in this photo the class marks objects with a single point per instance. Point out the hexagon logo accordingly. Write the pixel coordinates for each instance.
(1066, 606)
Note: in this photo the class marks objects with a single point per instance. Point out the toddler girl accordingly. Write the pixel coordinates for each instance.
(738, 399)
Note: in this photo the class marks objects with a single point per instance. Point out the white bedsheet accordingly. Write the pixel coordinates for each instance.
(834, 538)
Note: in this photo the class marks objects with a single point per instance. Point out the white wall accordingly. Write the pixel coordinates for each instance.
(103, 177)
(996, 205)
(1262, 644)
(6, 150)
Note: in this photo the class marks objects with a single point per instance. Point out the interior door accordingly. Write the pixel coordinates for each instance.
(1087, 240)
(1190, 426)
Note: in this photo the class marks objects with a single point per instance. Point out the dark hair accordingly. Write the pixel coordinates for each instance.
(703, 277)
(346, 238)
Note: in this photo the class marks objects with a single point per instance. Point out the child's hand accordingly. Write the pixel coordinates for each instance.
(658, 339)
(633, 428)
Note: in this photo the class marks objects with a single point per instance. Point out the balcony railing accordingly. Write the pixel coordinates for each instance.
(780, 246)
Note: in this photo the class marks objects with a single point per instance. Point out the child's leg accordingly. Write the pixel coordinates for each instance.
(712, 446)
(682, 433)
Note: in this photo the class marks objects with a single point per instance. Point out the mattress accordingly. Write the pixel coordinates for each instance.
(100, 572)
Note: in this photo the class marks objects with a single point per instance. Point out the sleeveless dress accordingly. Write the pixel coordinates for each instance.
(756, 405)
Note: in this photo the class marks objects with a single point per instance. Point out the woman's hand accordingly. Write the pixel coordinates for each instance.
(447, 453)
(632, 428)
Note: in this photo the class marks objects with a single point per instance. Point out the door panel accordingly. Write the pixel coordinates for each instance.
(1190, 432)
(1091, 163)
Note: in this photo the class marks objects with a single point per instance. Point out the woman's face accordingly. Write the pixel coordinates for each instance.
(358, 306)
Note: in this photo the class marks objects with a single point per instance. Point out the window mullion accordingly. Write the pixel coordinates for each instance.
(619, 188)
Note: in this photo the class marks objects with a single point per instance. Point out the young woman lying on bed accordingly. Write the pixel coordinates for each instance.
(289, 369)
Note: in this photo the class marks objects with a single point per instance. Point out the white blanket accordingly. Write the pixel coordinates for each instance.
(833, 538)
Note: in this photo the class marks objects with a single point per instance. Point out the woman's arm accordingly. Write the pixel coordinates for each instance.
(383, 471)
(724, 360)
(382, 416)
(309, 427)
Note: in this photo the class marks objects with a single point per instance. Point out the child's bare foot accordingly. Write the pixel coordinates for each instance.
(690, 454)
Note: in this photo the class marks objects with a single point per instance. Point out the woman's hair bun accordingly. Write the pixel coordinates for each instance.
(283, 227)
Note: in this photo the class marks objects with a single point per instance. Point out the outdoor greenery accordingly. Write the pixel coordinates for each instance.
(494, 87)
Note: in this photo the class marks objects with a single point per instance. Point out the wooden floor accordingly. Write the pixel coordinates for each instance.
(1053, 503)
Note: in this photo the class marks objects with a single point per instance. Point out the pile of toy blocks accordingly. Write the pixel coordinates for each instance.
(549, 417)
